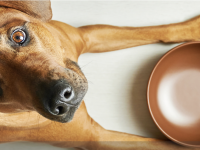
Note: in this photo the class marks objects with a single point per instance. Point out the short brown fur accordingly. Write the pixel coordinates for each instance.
(53, 47)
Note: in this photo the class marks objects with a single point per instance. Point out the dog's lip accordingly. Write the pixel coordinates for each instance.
(70, 105)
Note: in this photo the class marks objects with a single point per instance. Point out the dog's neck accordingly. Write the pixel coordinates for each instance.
(25, 120)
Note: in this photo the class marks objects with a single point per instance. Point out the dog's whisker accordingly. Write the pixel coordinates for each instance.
(85, 65)
(90, 81)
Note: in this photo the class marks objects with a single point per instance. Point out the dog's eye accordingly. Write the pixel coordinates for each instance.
(18, 36)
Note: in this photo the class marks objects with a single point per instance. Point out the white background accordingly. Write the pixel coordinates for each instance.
(117, 80)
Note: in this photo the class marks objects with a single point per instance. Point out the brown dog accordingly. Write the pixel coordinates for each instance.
(39, 74)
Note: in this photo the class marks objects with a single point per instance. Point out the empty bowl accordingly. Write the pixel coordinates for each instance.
(173, 94)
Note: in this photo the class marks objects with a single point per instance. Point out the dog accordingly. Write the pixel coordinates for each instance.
(40, 76)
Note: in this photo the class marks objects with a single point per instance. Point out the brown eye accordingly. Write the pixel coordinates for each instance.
(18, 36)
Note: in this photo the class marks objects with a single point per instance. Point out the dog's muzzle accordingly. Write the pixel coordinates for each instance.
(60, 99)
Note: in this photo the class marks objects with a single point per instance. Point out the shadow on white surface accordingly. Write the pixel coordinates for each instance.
(29, 146)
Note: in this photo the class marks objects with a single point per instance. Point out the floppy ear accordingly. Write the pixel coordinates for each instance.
(40, 9)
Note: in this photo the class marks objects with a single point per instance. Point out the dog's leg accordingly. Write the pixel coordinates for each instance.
(102, 38)
(111, 140)
(84, 133)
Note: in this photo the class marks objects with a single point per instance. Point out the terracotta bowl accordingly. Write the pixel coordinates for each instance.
(174, 94)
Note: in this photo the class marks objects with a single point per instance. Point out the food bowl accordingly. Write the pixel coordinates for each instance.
(173, 94)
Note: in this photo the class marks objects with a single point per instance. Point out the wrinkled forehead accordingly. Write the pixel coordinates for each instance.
(8, 15)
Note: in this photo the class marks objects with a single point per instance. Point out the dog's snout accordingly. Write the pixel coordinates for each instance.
(61, 100)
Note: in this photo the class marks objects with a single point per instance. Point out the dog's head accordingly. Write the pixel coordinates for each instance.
(37, 73)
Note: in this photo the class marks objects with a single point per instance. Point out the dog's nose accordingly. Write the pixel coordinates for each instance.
(59, 109)
(61, 99)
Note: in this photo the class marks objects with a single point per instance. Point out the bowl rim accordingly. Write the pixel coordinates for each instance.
(148, 88)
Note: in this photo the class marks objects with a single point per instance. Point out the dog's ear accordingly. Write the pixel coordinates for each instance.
(40, 9)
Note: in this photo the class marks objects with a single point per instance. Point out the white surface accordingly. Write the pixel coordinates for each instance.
(117, 80)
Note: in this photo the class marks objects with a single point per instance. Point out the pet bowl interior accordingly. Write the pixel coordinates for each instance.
(174, 94)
